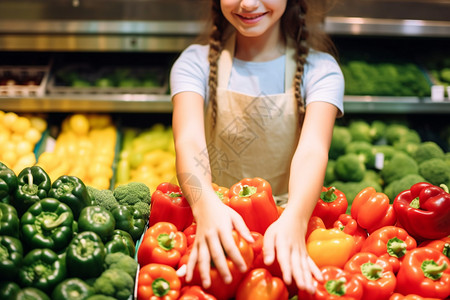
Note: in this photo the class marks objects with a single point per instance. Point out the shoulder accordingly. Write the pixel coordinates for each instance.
(194, 54)
(321, 60)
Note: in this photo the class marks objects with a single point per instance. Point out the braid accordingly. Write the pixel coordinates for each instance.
(301, 53)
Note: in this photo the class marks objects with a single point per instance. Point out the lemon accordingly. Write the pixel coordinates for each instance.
(24, 162)
(100, 182)
(23, 148)
(39, 123)
(48, 161)
(79, 124)
(9, 119)
(9, 158)
(21, 125)
(32, 135)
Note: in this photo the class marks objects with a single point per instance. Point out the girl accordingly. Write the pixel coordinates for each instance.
(259, 100)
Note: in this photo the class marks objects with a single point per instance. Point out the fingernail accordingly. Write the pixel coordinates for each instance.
(227, 279)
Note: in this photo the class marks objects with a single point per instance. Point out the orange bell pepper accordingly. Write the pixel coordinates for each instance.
(314, 223)
(330, 247)
(398, 296)
(252, 198)
(375, 274)
(189, 232)
(331, 204)
(195, 292)
(349, 225)
(260, 284)
(222, 193)
(158, 281)
(372, 210)
(424, 272)
(442, 245)
(162, 243)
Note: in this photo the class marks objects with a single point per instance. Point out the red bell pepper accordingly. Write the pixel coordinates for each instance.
(331, 204)
(169, 205)
(195, 292)
(190, 232)
(162, 243)
(349, 225)
(424, 211)
(158, 281)
(337, 284)
(222, 193)
(252, 198)
(424, 272)
(442, 245)
(375, 274)
(260, 284)
(372, 210)
(398, 296)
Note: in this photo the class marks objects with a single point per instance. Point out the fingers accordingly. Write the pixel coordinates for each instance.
(269, 248)
(233, 252)
(218, 257)
(241, 228)
(284, 259)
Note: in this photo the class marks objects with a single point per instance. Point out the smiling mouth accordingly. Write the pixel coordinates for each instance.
(251, 17)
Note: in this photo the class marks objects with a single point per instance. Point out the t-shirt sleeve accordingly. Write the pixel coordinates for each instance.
(189, 72)
(324, 81)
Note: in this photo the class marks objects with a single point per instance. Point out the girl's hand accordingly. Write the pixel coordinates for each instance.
(286, 238)
(215, 222)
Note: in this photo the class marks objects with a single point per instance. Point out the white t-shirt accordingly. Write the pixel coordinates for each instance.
(322, 79)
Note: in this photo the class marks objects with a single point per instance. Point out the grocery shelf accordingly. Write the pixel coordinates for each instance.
(162, 104)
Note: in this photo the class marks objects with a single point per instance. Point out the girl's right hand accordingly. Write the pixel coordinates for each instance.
(215, 222)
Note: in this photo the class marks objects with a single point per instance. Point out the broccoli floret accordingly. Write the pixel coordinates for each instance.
(435, 170)
(349, 167)
(360, 131)
(399, 166)
(132, 193)
(341, 137)
(329, 172)
(394, 132)
(116, 283)
(375, 177)
(407, 147)
(428, 150)
(103, 198)
(143, 208)
(364, 150)
(387, 150)
(400, 185)
(377, 130)
(119, 260)
(100, 297)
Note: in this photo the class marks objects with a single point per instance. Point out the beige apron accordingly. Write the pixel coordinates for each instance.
(253, 136)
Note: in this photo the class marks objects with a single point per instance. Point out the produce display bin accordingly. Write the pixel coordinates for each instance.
(16, 81)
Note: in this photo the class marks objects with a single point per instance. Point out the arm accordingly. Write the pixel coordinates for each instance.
(305, 184)
(214, 219)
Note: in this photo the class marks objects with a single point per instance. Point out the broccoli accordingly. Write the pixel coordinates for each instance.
(428, 150)
(374, 177)
(132, 193)
(100, 297)
(364, 150)
(387, 150)
(400, 185)
(377, 130)
(349, 167)
(341, 137)
(119, 260)
(116, 283)
(360, 131)
(143, 208)
(352, 189)
(103, 198)
(329, 173)
(407, 147)
(400, 165)
(394, 132)
(435, 170)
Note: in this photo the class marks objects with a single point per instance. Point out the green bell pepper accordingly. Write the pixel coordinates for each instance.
(9, 220)
(47, 224)
(11, 256)
(29, 293)
(121, 241)
(97, 219)
(85, 255)
(42, 269)
(72, 191)
(72, 289)
(8, 290)
(8, 184)
(33, 185)
(130, 220)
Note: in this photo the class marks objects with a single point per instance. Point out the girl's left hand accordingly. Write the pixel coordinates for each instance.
(285, 239)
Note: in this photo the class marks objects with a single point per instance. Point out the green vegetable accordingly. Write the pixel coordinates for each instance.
(360, 130)
(388, 151)
(31, 293)
(395, 132)
(400, 185)
(47, 224)
(399, 166)
(121, 261)
(428, 150)
(364, 150)
(349, 167)
(42, 269)
(341, 137)
(11, 256)
(8, 290)
(104, 198)
(132, 193)
(129, 219)
(33, 185)
(71, 191)
(72, 288)
(100, 297)
(143, 208)
(9, 220)
(97, 219)
(8, 183)
(115, 283)
(445, 75)
(85, 255)
(122, 242)
(436, 171)
(330, 172)
(377, 130)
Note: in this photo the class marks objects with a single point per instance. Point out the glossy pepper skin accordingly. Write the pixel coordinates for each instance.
(72, 191)
(97, 219)
(398, 296)
(260, 284)
(222, 192)
(33, 185)
(72, 289)
(375, 274)
(8, 184)
(85, 255)
(42, 269)
(195, 292)
(158, 281)
(31, 293)
(169, 205)
(424, 211)
(121, 241)
(11, 256)
(331, 204)
(130, 220)
(47, 224)
(424, 272)
(163, 244)
(252, 198)
(190, 232)
(372, 210)
(349, 226)
(8, 289)
(9, 220)
(442, 245)
(330, 247)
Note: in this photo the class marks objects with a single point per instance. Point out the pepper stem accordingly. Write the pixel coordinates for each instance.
(166, 241)
(371, 271)
(415, 203)
(432, 270)
(30, 179)
(247, 191)
(444, 187)
(336, 287)
(329, 196)
(160, 287)
(50, 224)
(396, 247)
(446, 250)
(174, 195)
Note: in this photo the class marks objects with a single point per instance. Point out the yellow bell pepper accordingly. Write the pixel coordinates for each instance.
(330, 247)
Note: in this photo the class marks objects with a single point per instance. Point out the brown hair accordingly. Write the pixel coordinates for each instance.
(301, 22)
